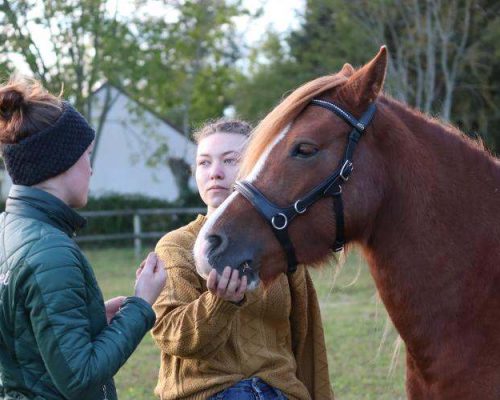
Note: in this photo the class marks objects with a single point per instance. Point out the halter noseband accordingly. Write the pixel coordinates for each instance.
(280, 217)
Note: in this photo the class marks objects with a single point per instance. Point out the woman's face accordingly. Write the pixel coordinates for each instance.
(217, 163)
(77, 180)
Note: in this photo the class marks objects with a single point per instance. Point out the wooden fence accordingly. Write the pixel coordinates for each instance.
(137, 235)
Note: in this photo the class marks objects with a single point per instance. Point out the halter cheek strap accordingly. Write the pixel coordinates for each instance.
(277, 217)
(280, 217)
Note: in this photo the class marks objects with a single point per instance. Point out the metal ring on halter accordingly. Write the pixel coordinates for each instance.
(347, 164)
(299, 211)
(337, 193)
(279, 228)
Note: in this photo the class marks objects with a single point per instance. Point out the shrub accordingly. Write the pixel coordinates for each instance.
(125, 224)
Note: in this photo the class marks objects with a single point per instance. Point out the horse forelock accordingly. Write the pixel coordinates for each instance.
(273, 125)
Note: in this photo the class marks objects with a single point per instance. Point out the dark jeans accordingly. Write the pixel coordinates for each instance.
(250, 389)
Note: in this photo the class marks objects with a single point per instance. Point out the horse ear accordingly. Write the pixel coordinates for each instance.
(347, 70)
(365, 84)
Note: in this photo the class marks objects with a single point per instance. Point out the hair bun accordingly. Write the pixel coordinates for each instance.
(11, 101)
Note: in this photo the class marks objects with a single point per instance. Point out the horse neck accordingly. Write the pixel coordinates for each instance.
(434, 233)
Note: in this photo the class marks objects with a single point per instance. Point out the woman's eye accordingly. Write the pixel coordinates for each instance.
(231, 161)
(304, 150)
(203, 163)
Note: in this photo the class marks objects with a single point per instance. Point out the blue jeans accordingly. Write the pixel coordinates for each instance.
(250, 389)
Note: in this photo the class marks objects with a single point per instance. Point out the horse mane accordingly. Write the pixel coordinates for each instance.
(289, 109)
(282, 115)
(435, 124)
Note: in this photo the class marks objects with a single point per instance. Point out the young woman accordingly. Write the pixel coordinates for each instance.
(58, 339)
(217, 339)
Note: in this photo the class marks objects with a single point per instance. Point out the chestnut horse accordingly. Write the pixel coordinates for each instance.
(422, 202)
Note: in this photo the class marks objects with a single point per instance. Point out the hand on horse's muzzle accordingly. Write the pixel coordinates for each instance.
(228, 285)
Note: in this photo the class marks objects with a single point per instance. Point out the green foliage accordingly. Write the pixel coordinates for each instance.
(6, 69)
(477, 100)
(124, 224)
(188, 63)
(271, 75)
(179, 62)
(325, 40)
(77, 32)
(185, 62)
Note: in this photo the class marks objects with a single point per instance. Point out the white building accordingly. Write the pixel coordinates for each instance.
(134, 150)
(5, 182)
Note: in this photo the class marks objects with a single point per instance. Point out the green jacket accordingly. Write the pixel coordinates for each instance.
(55, 342)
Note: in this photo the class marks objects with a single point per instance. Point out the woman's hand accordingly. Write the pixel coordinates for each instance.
(113, 306)
(229, 286)
(150, 278)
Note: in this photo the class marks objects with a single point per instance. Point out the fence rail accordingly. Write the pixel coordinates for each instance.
(137, 235)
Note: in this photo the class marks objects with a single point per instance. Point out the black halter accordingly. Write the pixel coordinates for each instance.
(280, 217)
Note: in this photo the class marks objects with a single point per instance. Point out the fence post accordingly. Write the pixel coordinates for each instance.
(137, 236)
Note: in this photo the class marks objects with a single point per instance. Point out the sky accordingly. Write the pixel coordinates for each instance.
(279, 14)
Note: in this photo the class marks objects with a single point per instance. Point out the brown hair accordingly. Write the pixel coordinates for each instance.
(222, 125)
(25, 109)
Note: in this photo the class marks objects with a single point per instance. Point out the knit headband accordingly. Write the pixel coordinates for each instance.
(49, 152)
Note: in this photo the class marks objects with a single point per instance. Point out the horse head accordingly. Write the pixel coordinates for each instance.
(294, 199)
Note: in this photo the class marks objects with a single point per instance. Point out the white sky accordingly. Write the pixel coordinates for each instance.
(278, 14)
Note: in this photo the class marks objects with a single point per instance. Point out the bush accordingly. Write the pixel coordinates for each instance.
(124, 223)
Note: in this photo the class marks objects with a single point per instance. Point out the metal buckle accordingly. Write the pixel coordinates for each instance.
(297, 210)
(347, 167)
(337, 193)
(327, 190)
(273, 223)
(360, 126)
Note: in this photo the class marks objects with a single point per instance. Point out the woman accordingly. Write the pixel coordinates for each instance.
(58, 339)
(217, 339)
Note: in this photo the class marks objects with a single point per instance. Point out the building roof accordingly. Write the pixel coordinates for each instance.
(141, 104)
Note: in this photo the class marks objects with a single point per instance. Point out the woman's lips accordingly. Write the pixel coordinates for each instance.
(217, 188)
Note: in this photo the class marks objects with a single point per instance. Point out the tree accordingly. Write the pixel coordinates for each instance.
(270, 76)
(324, 41)
(477, 94)
(68, 45)
(431, 44)
(327, 38)
(443, 57)
(189, 63)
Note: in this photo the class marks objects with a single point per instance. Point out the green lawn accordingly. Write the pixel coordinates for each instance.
(360, 341)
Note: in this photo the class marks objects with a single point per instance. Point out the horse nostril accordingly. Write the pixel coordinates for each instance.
(214, 242)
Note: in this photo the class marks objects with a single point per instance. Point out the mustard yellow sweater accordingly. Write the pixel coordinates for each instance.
(208, 344)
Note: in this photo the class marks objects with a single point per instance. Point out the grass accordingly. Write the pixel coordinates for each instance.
(360, 340)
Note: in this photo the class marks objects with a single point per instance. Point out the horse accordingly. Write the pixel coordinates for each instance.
(339, 162)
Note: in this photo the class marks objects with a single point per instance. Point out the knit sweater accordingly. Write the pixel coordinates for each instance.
(208, 344)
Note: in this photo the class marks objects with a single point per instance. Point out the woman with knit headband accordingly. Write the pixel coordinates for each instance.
(58, 339)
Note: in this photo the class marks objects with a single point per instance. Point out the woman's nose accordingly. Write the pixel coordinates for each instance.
(216, 172)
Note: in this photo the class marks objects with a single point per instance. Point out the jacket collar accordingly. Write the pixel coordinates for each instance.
(35, 203)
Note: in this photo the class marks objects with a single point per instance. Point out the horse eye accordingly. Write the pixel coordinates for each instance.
(304, 150)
